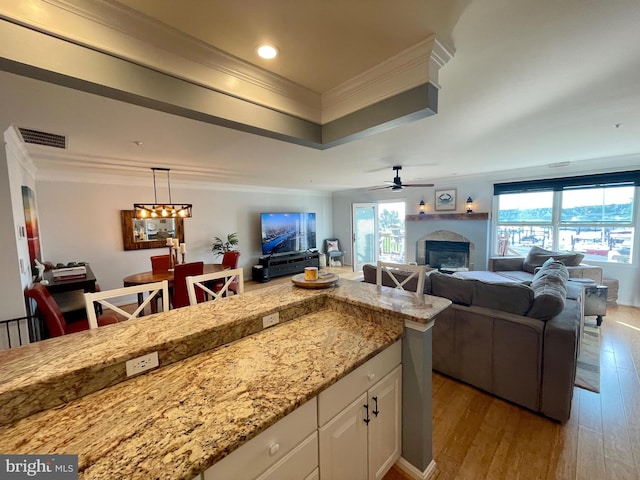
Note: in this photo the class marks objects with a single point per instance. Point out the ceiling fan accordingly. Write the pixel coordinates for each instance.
(397, 184)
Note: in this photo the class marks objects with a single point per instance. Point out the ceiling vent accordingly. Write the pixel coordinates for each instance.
(43, 138)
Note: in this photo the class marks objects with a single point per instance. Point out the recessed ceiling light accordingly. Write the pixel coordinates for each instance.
(267, 51)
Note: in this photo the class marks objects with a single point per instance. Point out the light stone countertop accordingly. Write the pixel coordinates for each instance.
(176, 421)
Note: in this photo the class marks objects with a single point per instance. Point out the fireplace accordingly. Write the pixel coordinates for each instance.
(447, 255)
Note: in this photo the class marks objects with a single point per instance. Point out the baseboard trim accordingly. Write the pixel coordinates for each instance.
(413, 472)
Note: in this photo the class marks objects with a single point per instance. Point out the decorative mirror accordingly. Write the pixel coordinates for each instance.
(140, 233)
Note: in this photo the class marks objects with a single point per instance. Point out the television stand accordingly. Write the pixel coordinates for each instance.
(289, 263)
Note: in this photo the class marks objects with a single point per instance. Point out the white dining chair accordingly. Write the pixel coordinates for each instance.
(408, 272)
(200, 281)
(105, 298)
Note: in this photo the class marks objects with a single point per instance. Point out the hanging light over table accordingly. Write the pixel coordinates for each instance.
(162, 210)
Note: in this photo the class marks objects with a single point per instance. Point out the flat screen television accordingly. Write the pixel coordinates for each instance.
(287, 232)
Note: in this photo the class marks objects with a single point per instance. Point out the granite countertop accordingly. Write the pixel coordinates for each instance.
(206, 399)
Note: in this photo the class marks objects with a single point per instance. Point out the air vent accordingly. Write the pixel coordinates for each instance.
(43, 138)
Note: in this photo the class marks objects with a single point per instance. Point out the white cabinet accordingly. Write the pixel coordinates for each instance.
(362, 439)
(343, 444)
(385, 427)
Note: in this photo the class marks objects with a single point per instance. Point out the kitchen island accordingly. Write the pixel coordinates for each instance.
(222, 380)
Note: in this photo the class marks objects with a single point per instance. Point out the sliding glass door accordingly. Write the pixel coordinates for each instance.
(365, 234)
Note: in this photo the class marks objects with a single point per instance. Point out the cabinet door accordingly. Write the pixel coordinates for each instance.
(385, 428)
(343, 444)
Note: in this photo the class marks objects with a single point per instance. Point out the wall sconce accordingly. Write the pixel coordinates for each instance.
(469, 203)
(421, 207)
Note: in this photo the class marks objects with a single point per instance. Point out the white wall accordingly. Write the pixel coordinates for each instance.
(81, 222)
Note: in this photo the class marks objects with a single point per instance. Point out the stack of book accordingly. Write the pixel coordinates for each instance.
(70, 273)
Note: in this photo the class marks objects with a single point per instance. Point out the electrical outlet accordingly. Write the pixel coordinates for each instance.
(270, 320)
(142, 364)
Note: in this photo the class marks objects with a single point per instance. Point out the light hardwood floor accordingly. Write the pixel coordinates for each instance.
(478, 436)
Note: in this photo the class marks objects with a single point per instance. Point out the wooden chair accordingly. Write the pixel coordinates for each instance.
(160, 263)
(408, 273)
(53, 317)
(227, 276)
(104, 299)
(180, 297)
(230, 262)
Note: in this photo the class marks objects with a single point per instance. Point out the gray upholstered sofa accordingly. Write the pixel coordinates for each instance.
(516, 341)
(523, 268)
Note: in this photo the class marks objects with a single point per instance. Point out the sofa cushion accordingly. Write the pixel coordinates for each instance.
(508, 297)
(549, 290)
(537, 256)
(458, 290)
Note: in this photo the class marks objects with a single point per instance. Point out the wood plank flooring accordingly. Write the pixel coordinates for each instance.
(478, 436)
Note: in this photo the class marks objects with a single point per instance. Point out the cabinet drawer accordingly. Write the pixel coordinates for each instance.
(298, 464)
(335, 398)
(268, 447)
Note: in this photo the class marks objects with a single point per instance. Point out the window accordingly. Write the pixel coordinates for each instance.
(592, 215)
(598, 222)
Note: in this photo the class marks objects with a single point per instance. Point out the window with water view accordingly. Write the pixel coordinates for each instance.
(594, 221)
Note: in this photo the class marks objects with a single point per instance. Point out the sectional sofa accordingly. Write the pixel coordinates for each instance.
(514, 340)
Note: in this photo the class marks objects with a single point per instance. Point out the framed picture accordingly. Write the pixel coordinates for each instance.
(446, 199)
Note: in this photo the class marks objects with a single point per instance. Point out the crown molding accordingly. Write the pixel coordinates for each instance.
(112, 28)
(67, 167)
(18, 150)
(414, 66)
(109, 27)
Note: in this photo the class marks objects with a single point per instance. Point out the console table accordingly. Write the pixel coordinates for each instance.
(288, 263)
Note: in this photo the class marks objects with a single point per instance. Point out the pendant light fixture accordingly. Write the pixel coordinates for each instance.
(162, 210)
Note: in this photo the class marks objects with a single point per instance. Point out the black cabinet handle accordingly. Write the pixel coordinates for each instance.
(375, 409)
(367, 419)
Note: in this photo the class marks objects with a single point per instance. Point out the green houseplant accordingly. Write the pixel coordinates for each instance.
(220, 246)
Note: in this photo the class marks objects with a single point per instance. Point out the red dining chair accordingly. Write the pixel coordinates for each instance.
(180, 297)
(160, 263)
(230, 262)
(53, 318)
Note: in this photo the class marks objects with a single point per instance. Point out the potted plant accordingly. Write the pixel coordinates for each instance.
(220, 246)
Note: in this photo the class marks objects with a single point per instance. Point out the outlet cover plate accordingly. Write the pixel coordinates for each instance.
(142, 364)
(270, 320)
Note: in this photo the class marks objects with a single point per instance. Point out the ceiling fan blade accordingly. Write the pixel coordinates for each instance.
(417, 184)
(379, 188)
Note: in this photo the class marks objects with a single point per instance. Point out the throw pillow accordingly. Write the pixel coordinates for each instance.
(549, 261)
(550, 291)
(332, 246)
(537, 256)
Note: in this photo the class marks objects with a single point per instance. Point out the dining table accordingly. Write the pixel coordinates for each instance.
(152, 277)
